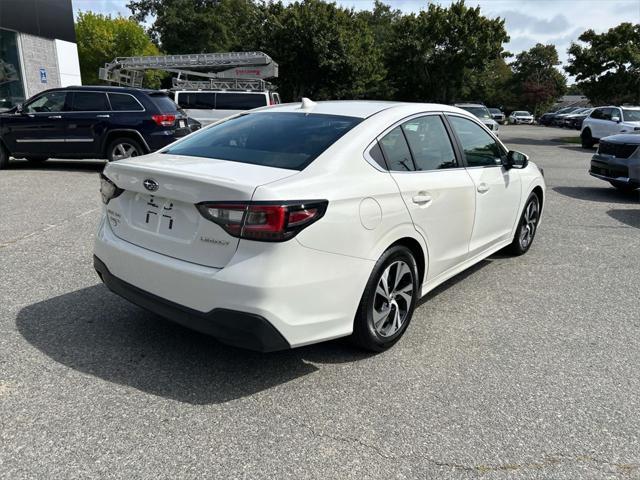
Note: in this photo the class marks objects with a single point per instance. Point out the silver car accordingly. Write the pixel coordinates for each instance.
(482, 112)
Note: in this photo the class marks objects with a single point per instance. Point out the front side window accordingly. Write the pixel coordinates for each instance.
(429, 143)
(282, 140)
(480, 149)
(396, 151)
(49, 102)
(607, 113)
(89, 102)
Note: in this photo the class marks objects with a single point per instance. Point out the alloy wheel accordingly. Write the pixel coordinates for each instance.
(529, 222)
(124, 150)
(393, 298)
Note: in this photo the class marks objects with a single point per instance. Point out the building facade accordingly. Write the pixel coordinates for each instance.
(37, 48)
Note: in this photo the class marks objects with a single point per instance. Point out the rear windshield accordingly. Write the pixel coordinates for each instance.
(164, 103)
(283, 140)
(240, 101)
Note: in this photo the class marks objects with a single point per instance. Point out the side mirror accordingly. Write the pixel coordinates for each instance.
(18, 108)
(515, 160)
(616, 119)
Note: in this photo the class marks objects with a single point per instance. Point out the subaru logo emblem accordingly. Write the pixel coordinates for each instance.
(150, 185)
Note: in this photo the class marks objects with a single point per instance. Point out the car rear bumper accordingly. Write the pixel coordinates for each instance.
(162, 138)
(276, 289)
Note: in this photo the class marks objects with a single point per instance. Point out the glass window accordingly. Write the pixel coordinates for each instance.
(11, 88)
(597, 114)
(283, 140)
(631, 115)
(606, 113)
(480, 149)
(240, 101)
(376, 154)
(197, 100)
(429, 143)
(48, 102)
(396, 151)
(480, 112)
(124, 102)
(89, 102)
(164, 103)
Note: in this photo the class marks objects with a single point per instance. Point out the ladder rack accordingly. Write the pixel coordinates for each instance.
(230, 70)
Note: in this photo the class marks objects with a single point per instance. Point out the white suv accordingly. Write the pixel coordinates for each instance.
(482, 112)
(605, 121)
(299, 223)
(208, 106)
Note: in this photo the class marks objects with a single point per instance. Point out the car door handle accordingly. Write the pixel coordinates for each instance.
(103, 116)
(483, 188)
(421, 199)
(55, 116)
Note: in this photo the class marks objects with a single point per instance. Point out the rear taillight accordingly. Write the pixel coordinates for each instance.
(164, 120)
(264, 221)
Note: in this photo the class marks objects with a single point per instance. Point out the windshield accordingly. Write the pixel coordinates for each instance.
(480, 112)
(631, 115)
(282, 140)
(522, 113)
(495, 110)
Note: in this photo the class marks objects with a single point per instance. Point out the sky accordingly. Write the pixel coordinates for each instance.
(527, 21)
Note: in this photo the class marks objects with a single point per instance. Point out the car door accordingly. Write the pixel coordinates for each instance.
(602, 123)
(497, 189)
(613, 126)
(88, 120)
(437, 191)
(40, 129)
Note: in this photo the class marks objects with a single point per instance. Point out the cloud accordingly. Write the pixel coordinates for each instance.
(518, 21)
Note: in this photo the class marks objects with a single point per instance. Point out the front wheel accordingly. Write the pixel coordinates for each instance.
(122, 148)
(388, 301)
(527, 226)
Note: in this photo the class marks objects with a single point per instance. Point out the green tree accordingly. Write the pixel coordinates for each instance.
(101, 38)
(198, 26)
(607, 68)
(538, 82)
(437, 54)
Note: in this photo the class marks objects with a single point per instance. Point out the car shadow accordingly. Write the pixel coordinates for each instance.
(626, 216)
(599, 194)
(59, 165)
(98, 333)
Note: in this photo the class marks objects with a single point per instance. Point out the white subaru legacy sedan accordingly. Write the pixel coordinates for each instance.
(305, 222)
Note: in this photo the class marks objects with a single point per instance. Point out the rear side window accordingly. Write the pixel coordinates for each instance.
(164, 103)
(429, 143)
(89, 102)
(283, 140)
(122, 102)
(396, 151)
(240, 101)
(197, 100)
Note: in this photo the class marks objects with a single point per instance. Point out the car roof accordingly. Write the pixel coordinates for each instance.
(358, 108)
(469, 104)
(108, 88)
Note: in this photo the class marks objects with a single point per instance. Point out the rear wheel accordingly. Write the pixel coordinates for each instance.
(388, 301)
(624, 187)
(527, 226)
(122, 148)
(587, 139)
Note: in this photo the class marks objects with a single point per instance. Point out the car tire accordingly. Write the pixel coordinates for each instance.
(36, 160)
(624, 187)
(4, 157)
(123, 147)
(586, 139)
(385, 313)
(527, 226)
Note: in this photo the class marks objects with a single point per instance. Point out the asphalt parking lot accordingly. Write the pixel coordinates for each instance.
(519, 368)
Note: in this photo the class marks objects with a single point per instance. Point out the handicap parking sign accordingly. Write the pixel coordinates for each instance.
(43, 75)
